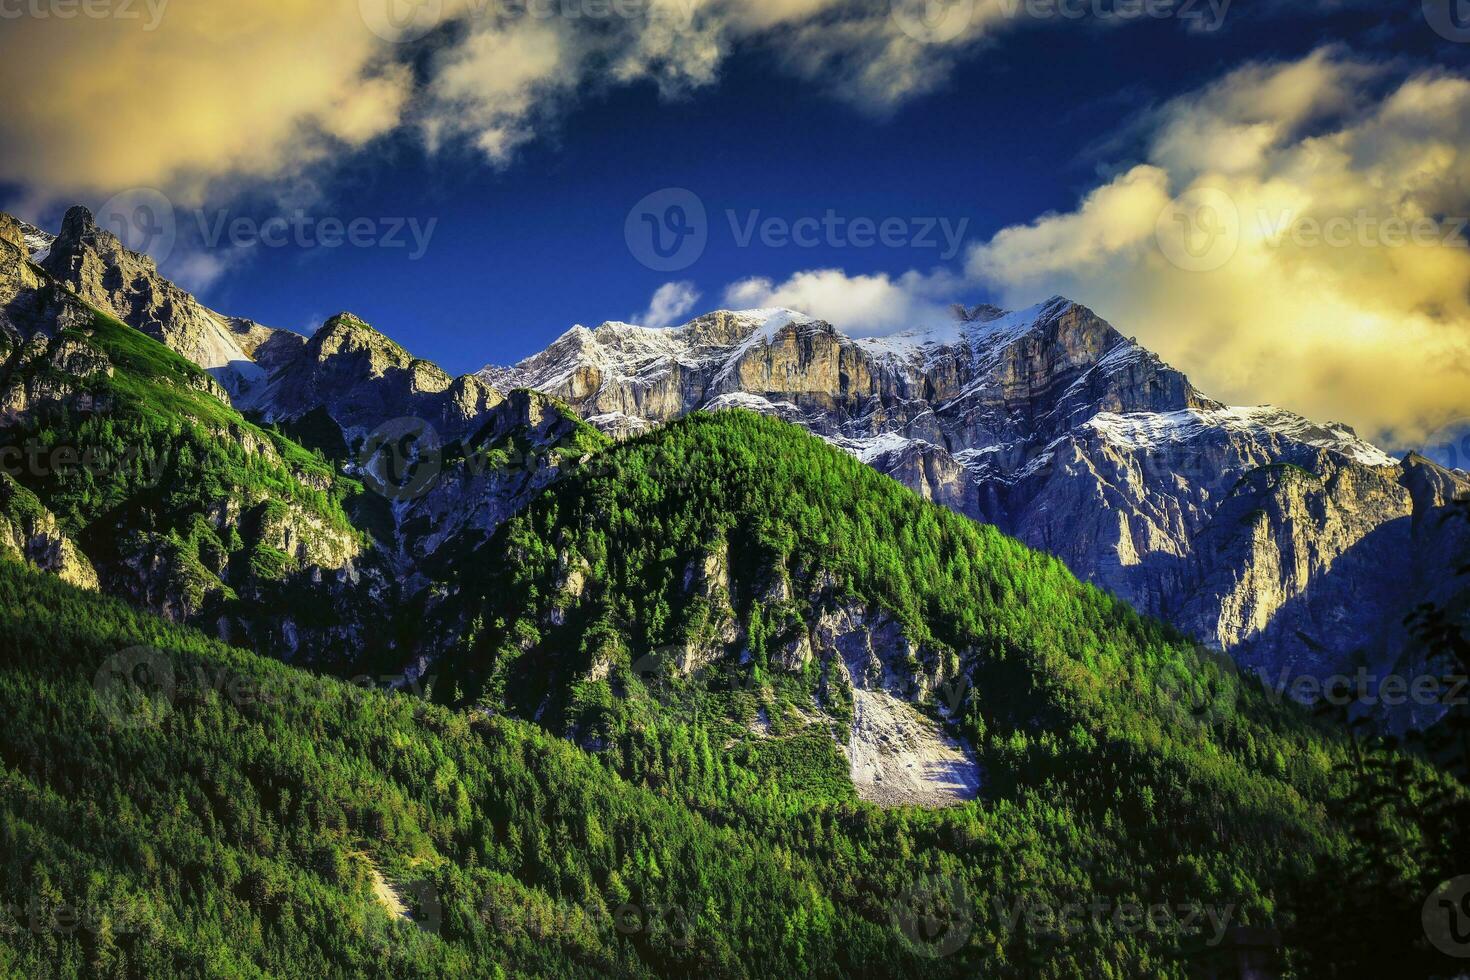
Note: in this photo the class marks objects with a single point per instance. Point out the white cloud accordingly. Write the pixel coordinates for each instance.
(669, 304)
(1324, 301)
(859, 304)
(214, 96)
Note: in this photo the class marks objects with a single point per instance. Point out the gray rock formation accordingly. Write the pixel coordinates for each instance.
(31, 534)
(95, 265)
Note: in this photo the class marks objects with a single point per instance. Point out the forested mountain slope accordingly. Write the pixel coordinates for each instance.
(706, 605)
(172, 807)
(1291, 543)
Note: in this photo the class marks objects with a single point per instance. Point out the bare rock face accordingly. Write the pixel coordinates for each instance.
(95, 265)
(29, 303)
(360, 379)
(1295, 545)
(515, 454)
(31, 534)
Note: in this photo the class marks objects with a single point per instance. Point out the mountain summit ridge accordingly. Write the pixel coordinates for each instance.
(1053, 425)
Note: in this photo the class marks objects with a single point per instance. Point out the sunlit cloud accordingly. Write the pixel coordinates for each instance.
(670, 303)
(1315, 251)
(1292, 233)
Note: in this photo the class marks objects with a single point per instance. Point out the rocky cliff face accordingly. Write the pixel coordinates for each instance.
(31, 534)
(360, 378)
(124, 467)
(1295, 545)
(96, 266)
(259, 542)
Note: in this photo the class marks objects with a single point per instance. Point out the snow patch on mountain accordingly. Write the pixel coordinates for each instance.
(871, 448)
(624, 353)
(982, 336)
(1151, 430)
(38, 242)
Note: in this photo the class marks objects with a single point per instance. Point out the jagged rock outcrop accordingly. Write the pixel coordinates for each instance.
(269, 562)
(521, 447)
(29, 302)
(95, 265)
(1288, 542)
(174, 501)
(31, 534)
(360, 378)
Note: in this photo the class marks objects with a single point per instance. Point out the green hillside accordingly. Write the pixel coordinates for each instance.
(225, 817)
(1130, 761)
(173, 806)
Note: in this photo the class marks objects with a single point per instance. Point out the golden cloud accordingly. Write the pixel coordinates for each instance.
(249, 88)
(1288, 238)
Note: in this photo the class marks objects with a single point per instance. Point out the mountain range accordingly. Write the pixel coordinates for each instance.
(1296, 546)
(652, 629)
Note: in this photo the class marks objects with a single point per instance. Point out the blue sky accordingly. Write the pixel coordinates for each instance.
(1021, 126)
(517, 253)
